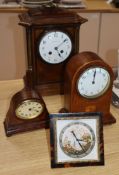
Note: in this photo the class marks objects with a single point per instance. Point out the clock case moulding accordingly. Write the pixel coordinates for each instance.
(73, 101)
(48, 78)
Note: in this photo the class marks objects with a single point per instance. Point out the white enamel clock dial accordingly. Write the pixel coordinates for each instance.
(77, 139)
(29, 109)
(93, 82)
(55, 47)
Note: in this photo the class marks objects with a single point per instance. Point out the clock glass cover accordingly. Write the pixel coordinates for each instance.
(55, 47)
(93, 82)
(77, 139)
(29, 109)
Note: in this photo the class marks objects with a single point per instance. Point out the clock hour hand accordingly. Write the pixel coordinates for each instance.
(78, 141)
(58, 53)
(82, 140)
(93, 82)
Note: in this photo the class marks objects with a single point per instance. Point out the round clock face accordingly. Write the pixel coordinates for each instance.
(29, 109)
(55, 47)
(77, 139)
(93, 82)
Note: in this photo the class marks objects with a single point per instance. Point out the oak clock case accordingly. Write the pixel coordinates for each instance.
(88, 85)
(27, 112)
(52, 39)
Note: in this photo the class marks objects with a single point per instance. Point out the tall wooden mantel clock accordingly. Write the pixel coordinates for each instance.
(52, 36)
(52, 39)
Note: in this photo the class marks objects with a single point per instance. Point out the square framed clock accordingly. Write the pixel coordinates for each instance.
(52, 36)
(76, 139)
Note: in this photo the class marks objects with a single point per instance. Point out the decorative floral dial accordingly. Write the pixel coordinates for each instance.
(29, 109)
(55, 47)
(93, 82)
(77, 139)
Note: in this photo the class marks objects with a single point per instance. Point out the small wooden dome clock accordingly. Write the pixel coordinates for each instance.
(88, 85)
(27, 112)
(52, 38)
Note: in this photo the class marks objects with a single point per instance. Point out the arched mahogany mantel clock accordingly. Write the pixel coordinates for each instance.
(88, 85)
(52, 36)
(27, 112)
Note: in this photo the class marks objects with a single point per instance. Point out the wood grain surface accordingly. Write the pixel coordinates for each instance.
(29, 153)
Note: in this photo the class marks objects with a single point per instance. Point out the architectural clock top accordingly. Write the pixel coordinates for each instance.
(51, 15)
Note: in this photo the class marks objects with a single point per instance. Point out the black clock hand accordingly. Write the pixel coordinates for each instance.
(56, 48)
(32, 109)
(93, 82)
(82, 140)
(59, 53)
(78, 141)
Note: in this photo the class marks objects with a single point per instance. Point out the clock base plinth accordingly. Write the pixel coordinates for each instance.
(13, 124)
(109, 119)
(15, 129)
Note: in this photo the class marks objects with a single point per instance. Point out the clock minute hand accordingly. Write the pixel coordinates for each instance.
(78, 141)
(56, 48)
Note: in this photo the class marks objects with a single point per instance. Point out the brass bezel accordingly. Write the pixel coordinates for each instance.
(31, 117)
(102, 92)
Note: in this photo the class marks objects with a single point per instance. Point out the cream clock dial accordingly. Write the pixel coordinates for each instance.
(55, 47)
(29, 109)
(77, 139)
(93, 82)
